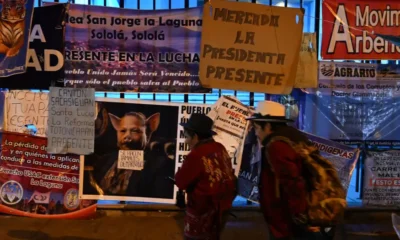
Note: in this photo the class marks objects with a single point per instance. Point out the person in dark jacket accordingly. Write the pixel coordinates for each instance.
(208, 178)
(283, 193)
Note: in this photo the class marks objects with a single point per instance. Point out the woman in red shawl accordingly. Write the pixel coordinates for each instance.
(208, 178)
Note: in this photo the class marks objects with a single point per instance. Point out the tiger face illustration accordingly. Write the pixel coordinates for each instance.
(12, 26)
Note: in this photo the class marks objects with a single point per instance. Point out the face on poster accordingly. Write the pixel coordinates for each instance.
(134, 152)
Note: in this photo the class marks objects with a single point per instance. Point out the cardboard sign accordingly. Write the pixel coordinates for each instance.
(307, 67)
(22, 108)
(71, 120)
(250, 50)
(365, 29)
(130, 160)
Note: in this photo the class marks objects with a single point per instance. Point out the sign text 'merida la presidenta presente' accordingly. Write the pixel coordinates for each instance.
(250, 47)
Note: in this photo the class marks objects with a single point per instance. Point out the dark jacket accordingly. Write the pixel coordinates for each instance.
(150, 182)
(282, 187)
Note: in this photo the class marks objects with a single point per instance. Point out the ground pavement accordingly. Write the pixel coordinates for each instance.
(134, 224)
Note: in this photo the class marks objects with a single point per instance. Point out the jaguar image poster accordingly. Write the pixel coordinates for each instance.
(15, 23)
(45, 60)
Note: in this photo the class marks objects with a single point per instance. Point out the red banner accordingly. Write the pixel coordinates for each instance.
(354, 29)
(34, 181)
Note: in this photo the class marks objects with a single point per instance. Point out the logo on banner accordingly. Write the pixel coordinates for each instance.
(11, 192)
(347, 71)
(327, 70)
(71, 199)
(39, 197)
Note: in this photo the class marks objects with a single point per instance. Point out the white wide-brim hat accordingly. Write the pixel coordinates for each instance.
(269, 111)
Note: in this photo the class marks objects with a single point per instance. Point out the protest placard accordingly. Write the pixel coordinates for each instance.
(34, 181)
(71, 120)
(130, 160)
(229, 116)
(252, 49)
(382, 178)
(343, 158)
(23, 108)
(134, 153)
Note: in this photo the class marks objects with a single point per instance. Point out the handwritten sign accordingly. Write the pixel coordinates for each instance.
(24, 108)
(72, 113)
(130, 159)
(250, 50)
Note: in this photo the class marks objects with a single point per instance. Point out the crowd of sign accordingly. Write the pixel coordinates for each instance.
(59, 149)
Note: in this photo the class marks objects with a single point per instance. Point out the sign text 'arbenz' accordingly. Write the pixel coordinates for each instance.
(366, 30)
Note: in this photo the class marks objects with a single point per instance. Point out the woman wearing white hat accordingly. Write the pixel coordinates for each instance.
(282, 189)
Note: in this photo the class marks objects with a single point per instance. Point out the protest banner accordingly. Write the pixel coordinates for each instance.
(34, 181)
(352, 106)
(16, 18)
(71, 120)
(185, 110)
(114, 49)
(132, 128)
(382, 178)
(45, 60)
(360, 29)
(250, 50)
(343, 158)
(307, 68)
(229, 116)
(22, 108)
